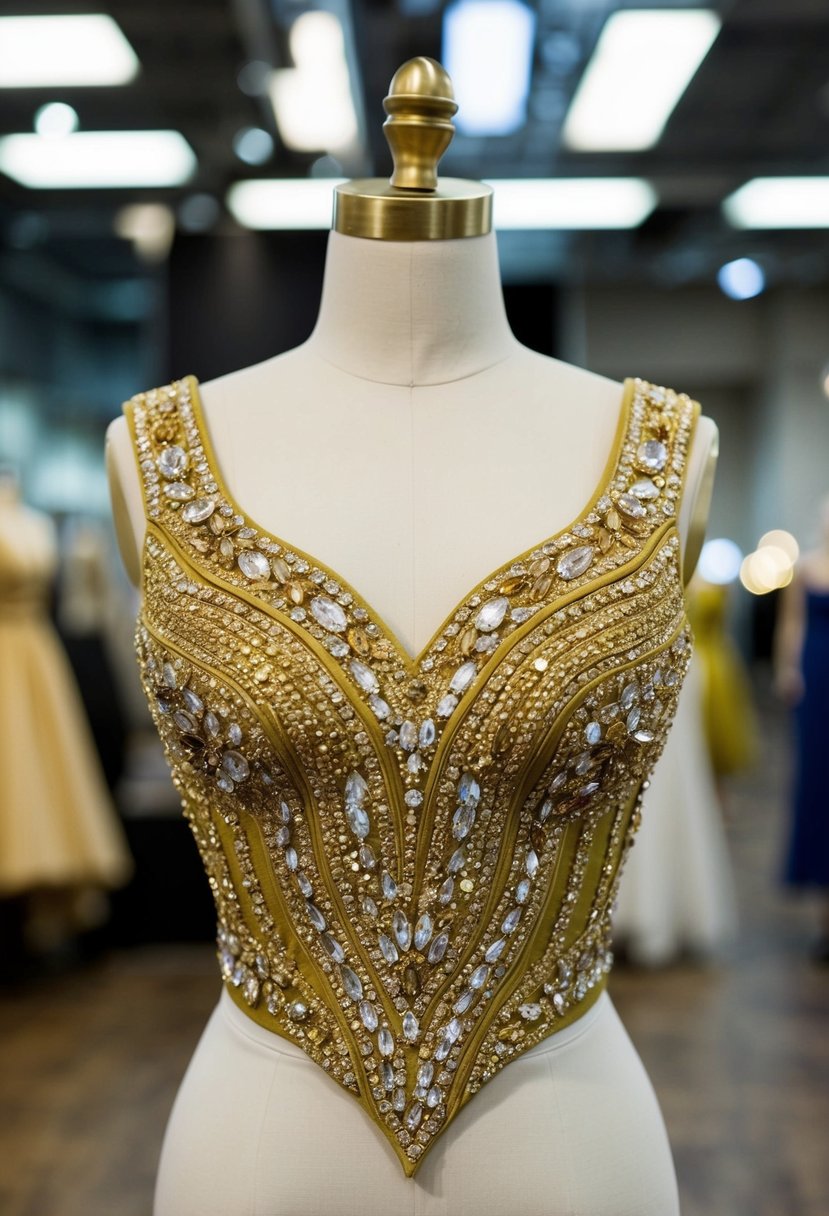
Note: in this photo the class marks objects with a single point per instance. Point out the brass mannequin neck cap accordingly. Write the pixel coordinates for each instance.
(412, 205)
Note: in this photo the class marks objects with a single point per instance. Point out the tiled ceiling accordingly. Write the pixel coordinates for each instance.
(758, 105)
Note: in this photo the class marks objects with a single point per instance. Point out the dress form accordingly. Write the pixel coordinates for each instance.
(411, 413)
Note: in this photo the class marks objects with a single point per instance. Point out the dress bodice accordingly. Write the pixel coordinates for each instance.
(413, 858)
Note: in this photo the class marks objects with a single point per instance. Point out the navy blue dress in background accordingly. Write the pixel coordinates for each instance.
(807, 861)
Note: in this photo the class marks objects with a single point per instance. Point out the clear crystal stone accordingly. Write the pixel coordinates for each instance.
(402, 929)
(462, 821)
(399, 1099)
(464, 676)
(385, 1042)
(192, 700)
(367, 859)
(522, 890)
(643, 736)
(364, 676)
(368, 1015)
(454, 1028)
(530, 1011)
(179, 491)
(630, 505)
(575, 561)
(328, 613)
(434, 1097)
(351, 983)
(302, 880)
(388, 886)
(168, 673)
(632, 720)
(479, 976)
(172, 461)
(491, 614)
(464, 1001)
(443, 1048)
(408, 735)
(645, 489)
(544, 811)
(438, 948)
(446, 891)
(426, 735)
(652, 455)
(291, 858)
(212, 724)
(381, 708)
(630, 694)
(234, 733)
(358, 820)
(423, 931)
(254, 564)
(468, 789)
(413, 798)
(355, 787)
(387, 1076)
(332, 947)
(315, 916)
(370, 907)
(425, 1072)
(411, 1029)
(414, 762)
(593, 732)
(413, 1116)
(456, 861)
(185, 721)
(235, 765)
(197, 511)
(495, 950)
(388, 948)
(446, 705)
(511, 920)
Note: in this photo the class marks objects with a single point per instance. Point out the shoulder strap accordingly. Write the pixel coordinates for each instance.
(161, 448)
(654, 465)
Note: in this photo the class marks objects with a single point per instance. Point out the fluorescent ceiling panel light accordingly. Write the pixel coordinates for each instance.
(521, 204)
(312, 102)
(45, 52)
(780, 202)
(574, 203)
(97, 160)
(487, 51)
(293, 203)
(643, 63)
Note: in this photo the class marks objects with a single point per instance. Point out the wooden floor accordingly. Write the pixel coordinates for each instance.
(738, 1054)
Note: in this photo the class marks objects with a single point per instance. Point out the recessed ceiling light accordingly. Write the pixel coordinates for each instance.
(741, 279)
(643, 63)
(56, 119)
(89, 49)
(488, 52)
(539, 203)
(780, 202)
(98, 160)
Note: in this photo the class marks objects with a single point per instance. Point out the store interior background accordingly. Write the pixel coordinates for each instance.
(107, 291)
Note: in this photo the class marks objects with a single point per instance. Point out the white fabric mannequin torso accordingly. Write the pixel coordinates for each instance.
(444, 448)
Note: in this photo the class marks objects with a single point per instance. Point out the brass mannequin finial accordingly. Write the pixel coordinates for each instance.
(412, 205)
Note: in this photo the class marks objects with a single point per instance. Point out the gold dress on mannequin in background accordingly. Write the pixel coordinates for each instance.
(58, 826)
(413, 857)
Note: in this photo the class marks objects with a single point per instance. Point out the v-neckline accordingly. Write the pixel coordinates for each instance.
(410, 662)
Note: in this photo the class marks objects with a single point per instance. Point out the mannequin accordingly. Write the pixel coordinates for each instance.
(411, 378)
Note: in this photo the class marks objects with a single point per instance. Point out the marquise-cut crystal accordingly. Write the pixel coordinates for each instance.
(511, 920)
(351, 983)
(388, 948)
(168, 673)
(385, 1042)
(315, 916)
(593, 732)
(434, 1096)
(630, 505)
(456, 861)
(425, 1072)
(426, 735)
(493, 612)
(291, 858)
(446, 891)
(364, 676)
(387, 1075)
(370, 907)
(235, 765)
(197, 511)
(172, 460)
(463, 677)
(368, 1015)
(522, 890)
(358, 820)
(212, 724)
(179, 491)
(402, 929)
(468, 789)
(332, 947)
(479, 976)
(185, 721)
(438, 948)
(355, 787)
(192, 700)
(408, 735)
(652, 455)
(411, 1029)
(413, 1116)
(381, 708)
(630, 693)
(254, 564)
(443, 1048)
(645, 489)
(575, 561)
(367, 859)
(388, 886)
(494, 950)
(464, 1001)
(328, 613)
(423, 931)
(446, 705)
(462, 821)
(454, 1028)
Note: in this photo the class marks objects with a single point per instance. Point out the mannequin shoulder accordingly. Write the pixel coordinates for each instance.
(126, 495)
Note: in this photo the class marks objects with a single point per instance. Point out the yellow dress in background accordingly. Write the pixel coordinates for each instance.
(728, 709)
(58, 826)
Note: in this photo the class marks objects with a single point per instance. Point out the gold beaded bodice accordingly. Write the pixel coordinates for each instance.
(413, 858)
